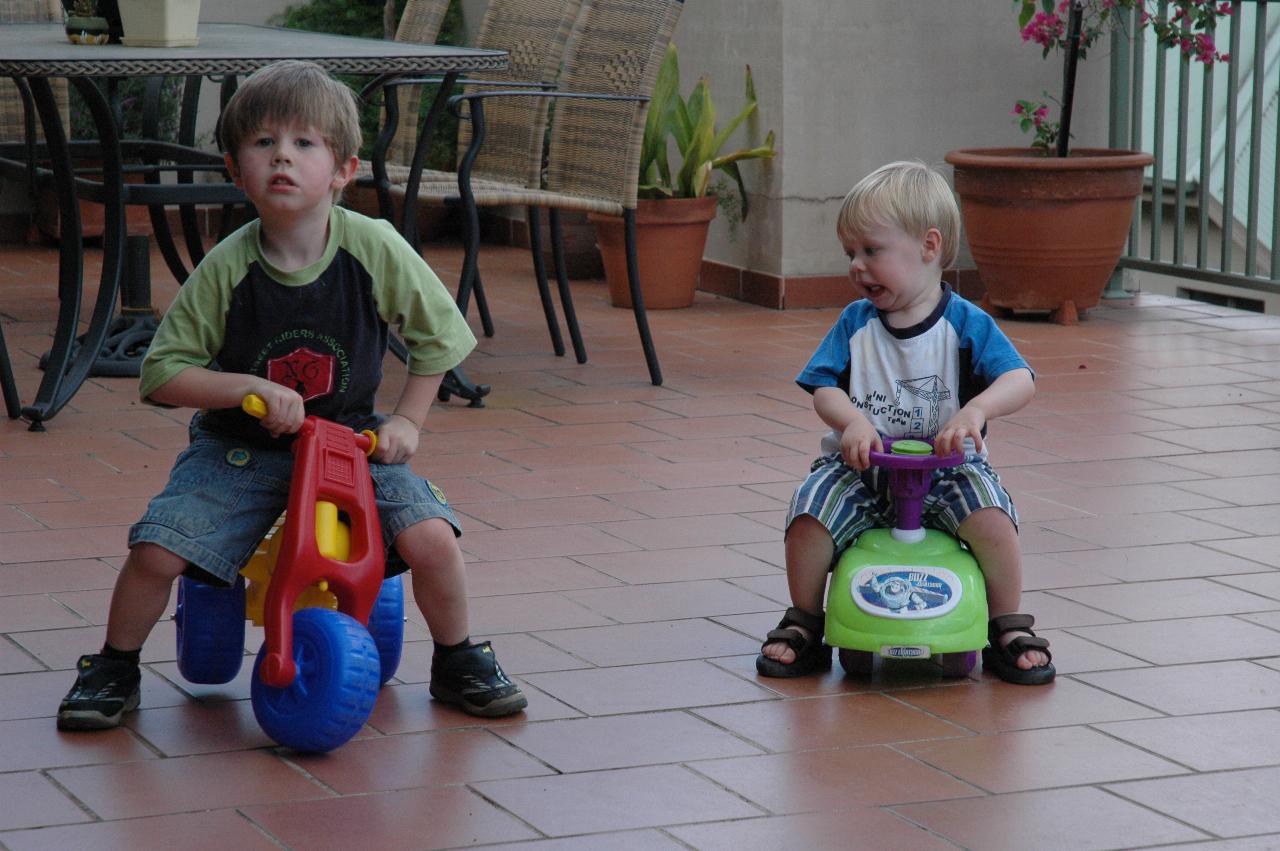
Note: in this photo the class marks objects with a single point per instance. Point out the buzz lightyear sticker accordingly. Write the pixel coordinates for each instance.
(906, 592)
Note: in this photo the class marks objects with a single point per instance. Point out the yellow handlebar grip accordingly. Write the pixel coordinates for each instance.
(373, 441)
(254, 405)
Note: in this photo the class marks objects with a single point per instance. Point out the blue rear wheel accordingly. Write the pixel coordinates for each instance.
(333, 690)
(210, 630)
(386, 625)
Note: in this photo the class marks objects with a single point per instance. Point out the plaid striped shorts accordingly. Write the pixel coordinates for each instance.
(849, 503)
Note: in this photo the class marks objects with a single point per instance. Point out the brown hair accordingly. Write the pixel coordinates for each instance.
(292, 91)
(909, 195)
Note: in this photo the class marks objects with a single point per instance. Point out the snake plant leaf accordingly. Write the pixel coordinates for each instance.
(748, 108)
(659, 119)
(702, 114)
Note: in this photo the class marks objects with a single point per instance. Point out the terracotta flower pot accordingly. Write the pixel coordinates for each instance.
(670, 237)
(1046, 232)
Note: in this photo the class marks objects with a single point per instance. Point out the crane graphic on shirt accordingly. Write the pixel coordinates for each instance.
(931, 390)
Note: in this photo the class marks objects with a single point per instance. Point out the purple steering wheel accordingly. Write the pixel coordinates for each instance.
(910, 462)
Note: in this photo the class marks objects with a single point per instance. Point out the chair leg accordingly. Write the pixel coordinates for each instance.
(540, 272)
(562, 284)
(469, 280)
(637, 298)
(12, 405)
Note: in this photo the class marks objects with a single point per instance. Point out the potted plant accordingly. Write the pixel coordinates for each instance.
(84, 25)
(1046, 225)
(676, 207)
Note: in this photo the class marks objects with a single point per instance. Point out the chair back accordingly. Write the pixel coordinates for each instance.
(11, 115)
(616, 48)
(420, 24)
(533, 32)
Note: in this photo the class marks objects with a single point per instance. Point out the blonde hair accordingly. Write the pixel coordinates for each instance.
(910, 195)
(292, 92)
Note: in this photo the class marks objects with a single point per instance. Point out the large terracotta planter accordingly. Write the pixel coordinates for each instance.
(670, 237)
(1046, 232)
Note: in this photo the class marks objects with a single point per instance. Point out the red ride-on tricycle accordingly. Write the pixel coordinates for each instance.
(334, 626)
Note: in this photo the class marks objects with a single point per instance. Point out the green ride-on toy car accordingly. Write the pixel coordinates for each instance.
(907, 592)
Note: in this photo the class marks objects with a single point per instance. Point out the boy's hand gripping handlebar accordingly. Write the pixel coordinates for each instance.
(256, 407)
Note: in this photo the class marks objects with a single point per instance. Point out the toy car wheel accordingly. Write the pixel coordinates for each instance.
(334, 689)
(857, 663)
(958, 664)
(386, 625)
(210, 630)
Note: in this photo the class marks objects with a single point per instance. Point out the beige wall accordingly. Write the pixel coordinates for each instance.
(848, 85)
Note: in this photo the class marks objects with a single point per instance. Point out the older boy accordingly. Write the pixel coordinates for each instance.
(295, 307)
(900, 228)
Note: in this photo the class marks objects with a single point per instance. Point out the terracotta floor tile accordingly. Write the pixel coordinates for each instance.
(846, 720)
(629, 840)
(623, 741)
(199, 727)
(409, 709)
(45, 577)
(1185, 640)
(695, 501)
(1194, 689)
(1067, 819)
(1133, 471)
(551, 512)
(432, 817)
(1253, 519)
(670, 600)
(838, 778)
(1240, 490)
(211, 831)
(37, 694)
(642, 567)
(154, 787)
(1207, 742)
(1169, 598)
(616, 799)
(1072, 654)
(35, 611)
(992, 706)
(525, 612)
(1023, 760)
(658, 641)
(446, 757)
(1155, 528)
(873, 829)
(1224, 804)
(712, 529)
(695, 474)
(587, 480)
(491, 579)
(1163, 561)
(32, 800)
(1130, 499)
(542, 542)
(1262, 550)
(646, 688)
(36, 744)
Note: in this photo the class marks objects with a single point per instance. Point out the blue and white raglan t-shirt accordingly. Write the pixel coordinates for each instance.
(910, 381)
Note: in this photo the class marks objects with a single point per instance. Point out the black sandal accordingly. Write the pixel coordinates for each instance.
(1002, 660)
(812, 654)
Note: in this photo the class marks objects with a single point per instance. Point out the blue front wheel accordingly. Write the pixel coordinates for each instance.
(334, 689)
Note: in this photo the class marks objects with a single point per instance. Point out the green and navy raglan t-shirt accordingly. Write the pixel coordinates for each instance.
(322, 330)
(910, 381)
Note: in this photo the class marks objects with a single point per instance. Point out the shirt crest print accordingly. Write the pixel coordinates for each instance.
(304, 370)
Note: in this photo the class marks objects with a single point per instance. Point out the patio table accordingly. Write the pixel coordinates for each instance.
(32, 54)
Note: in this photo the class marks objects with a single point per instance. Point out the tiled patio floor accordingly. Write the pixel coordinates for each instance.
(625, 556)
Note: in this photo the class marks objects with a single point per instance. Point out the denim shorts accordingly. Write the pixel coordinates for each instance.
(222, 497)
(849, 503)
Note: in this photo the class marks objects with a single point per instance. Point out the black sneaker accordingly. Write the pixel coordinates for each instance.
(473, 679)
(105, 690)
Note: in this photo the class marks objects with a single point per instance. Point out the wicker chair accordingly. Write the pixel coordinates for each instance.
(534, 33)
(610, 67)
